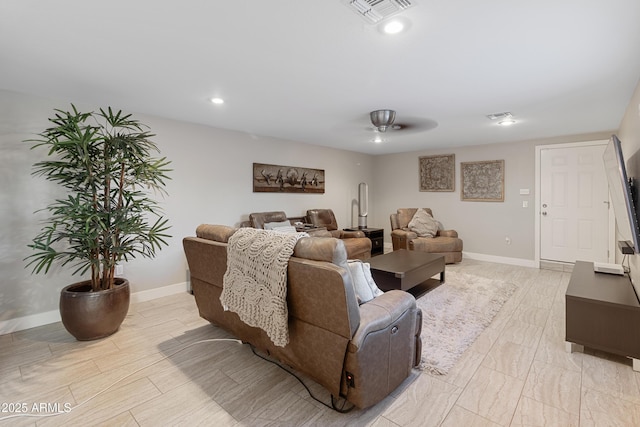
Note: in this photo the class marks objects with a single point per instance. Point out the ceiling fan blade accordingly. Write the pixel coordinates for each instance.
(404, 126)
(414, 125)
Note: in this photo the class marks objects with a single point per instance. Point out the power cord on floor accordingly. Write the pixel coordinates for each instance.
(22, 414)
(334, 400)
(626, 268)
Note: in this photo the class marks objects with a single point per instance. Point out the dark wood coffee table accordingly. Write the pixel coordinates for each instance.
(404, 270)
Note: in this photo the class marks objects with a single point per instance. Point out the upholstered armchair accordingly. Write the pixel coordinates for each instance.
(445, 242)
(358, 246)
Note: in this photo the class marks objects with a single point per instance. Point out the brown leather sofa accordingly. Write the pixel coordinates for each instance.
(358, 246)
(331, 337)
(445, 242)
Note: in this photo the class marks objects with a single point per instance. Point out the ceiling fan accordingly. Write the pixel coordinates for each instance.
(385, 125)
(384, 120)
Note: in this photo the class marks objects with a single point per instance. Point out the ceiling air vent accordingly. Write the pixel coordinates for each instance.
(496, 116)
(374, 11)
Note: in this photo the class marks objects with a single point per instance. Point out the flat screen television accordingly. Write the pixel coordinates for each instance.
(623, 198)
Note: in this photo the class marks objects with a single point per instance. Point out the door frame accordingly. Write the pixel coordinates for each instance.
(538, 210)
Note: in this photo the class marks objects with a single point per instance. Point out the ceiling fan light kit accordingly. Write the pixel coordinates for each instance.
(382, 119)
(378, 139)
(384, 123)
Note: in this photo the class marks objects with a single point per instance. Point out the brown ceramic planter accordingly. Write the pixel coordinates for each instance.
(92, 315)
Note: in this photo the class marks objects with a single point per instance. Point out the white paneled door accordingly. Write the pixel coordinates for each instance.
(574, 207)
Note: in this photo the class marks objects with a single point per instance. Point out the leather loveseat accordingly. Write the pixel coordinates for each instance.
(331, 337)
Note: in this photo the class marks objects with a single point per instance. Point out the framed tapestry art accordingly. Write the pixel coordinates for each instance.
(438, 173)
(482, 181)
(287, 179)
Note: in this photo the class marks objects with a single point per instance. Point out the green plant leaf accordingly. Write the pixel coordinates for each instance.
(102, 160)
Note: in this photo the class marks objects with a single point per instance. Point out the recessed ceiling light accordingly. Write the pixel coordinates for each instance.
(394, 26)
(217, 100)
(507, 122)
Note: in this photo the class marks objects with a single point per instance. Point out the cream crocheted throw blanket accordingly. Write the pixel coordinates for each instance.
(255, 283)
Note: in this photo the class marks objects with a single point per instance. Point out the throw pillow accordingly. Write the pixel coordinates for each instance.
(366, 267)
(366, 289)
(423, 224)
(285, 229)
(272, 225)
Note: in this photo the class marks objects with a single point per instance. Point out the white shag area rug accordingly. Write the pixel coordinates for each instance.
(454, 314)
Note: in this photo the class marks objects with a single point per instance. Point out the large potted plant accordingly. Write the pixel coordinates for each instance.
(104, 162)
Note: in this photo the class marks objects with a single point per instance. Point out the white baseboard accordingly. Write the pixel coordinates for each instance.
(53, 316)
(28, 322)
(500, 260)
(388, 247)
(159, 292)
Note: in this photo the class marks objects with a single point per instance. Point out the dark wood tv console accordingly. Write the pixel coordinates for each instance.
(603, 313)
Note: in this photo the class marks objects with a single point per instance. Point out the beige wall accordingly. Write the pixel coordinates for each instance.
(211, 183)
(483, 226)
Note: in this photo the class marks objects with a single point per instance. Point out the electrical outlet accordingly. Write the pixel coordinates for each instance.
(508, 240)
(119, 270)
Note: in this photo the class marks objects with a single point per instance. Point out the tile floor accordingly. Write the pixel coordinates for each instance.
(517, 373)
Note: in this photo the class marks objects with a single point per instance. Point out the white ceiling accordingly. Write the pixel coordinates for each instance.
(310, 71)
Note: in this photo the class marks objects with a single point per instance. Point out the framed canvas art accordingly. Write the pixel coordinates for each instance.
(438, 173)
(287, 179)
(482, 181)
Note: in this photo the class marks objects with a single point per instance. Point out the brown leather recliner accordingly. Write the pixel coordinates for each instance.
(360, 352)
(358, 246)
(446, 242)
(264, 220)
(259, 219)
